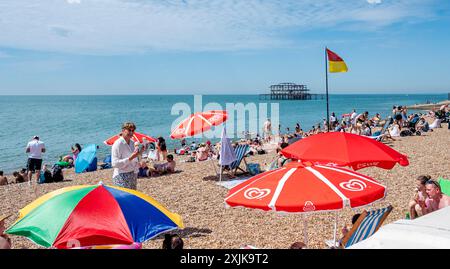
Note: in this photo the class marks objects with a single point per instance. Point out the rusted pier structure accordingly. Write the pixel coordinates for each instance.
(290, 91)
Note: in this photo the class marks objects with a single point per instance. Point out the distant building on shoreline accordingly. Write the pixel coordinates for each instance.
(290, 91)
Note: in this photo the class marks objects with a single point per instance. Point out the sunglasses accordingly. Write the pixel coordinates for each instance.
(434, 183)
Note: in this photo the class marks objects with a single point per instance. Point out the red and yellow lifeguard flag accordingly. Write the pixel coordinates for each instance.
(336, 64)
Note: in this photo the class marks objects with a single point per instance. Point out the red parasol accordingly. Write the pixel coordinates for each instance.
(198, 123)
(299, 188)
(136, 137)
(345, 149)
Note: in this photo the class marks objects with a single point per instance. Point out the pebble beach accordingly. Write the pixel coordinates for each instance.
(194, 194)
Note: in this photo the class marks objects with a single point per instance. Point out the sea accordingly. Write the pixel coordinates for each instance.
(60, 121)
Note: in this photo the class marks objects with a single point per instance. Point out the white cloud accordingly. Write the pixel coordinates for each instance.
(74, 1)
(373, 2)
(129, 26)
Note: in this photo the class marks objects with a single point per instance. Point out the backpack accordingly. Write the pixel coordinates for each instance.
(57, 174)
(406, 133)
(41, 178)
(47, 177)
(253, 168)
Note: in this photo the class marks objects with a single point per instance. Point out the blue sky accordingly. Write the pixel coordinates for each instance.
(222, 47)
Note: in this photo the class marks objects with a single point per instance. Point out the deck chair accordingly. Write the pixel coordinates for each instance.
(380, 134)
(365, 226)
(240, 151)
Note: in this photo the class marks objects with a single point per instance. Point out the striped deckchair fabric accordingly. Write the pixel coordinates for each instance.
(380, 135)
(240, 152)
(366, 225)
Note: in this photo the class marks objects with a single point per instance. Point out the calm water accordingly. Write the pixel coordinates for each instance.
(61, 121)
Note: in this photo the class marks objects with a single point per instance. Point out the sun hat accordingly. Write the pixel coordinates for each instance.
(36, 137)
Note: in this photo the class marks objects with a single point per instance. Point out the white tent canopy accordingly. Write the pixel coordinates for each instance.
(429, 231)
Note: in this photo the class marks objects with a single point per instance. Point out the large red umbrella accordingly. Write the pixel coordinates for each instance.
(345, 149)
(137, 137)
(198, 123)
(298, 188)
(304, 188)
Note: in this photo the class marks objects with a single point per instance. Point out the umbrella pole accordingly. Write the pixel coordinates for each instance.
(335, 228)
(220, 177)
(305, 233)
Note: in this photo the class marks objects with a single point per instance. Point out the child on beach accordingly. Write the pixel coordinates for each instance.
(144, 171)
(46, 175)
(164, 168)
(3, 179)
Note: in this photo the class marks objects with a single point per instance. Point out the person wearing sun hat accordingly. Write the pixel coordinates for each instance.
(5, 241)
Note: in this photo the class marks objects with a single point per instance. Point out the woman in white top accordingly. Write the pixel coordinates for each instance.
(395, 130)
(124, 158)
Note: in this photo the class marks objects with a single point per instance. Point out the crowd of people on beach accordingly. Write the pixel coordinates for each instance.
(132, 160)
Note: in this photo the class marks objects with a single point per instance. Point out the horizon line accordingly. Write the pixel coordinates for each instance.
(227, 94)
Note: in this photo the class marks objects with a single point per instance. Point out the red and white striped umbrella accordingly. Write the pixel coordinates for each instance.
(300, 188)
(198, 123)
(137, 137)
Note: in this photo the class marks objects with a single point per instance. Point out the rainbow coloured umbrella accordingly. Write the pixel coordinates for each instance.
(92, 215)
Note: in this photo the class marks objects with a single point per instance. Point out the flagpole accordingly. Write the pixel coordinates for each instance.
(326, 76)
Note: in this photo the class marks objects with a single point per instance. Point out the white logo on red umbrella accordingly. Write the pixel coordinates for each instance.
(309, 206)
(353, 185)
(362, 165)
(215, 118)
(256, 193)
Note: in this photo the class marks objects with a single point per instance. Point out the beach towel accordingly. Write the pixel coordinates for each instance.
(229, 184)
(436, 124)
(445, 185)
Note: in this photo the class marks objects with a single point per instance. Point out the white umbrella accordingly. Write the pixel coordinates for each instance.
(429, 231)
